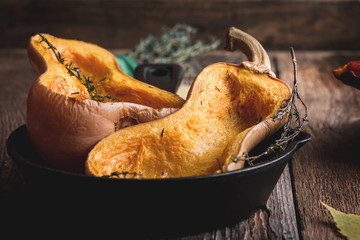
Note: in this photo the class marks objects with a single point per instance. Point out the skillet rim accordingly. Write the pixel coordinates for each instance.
(20, 132)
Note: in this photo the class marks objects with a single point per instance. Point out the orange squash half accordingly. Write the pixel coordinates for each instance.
(64, 119)
(228, 111)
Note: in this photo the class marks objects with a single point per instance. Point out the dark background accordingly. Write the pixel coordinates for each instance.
(306, 25)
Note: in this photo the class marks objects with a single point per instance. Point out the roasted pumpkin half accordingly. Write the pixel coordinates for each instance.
(228, 111)
(82, 96)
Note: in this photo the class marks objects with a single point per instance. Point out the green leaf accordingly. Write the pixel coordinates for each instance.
(348, 224)
(126, 64)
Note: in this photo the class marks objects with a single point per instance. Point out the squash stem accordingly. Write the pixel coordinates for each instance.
(259, 60)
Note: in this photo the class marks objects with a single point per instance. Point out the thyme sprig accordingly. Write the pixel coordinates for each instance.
(287, 108)
(76, 72)
(179, 44)
(229, 75)
(124, 174)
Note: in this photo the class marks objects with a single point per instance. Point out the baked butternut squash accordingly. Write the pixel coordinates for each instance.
(228, 111)
(82, 96)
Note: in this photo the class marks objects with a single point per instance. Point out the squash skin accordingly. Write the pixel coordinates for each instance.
(223, 116)
(63, 127)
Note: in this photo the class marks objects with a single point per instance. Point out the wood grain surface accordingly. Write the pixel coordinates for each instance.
(329, 167)
(326, 169)
(307, 25)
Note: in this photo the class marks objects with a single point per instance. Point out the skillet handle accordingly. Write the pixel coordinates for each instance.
(164, 76)
(301, 139)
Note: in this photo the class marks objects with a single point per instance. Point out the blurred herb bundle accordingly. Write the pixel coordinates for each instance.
(175, 45)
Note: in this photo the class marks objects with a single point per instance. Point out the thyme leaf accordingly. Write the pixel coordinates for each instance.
(124, 174)
(229, 75)
(220, 165)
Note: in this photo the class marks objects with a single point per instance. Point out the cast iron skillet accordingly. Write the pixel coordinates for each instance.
(147, 207)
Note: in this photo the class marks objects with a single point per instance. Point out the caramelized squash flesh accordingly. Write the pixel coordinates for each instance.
(224, 104)
(100, 67)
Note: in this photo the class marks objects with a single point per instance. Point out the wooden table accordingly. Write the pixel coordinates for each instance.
(326, 169)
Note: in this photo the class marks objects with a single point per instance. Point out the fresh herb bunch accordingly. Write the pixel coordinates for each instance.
(175, 45)
(76, 72)
(291, 128)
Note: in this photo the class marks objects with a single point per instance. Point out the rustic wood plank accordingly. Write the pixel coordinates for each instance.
(328, 168)
(16, 76)
(276, 220)
(330, 25)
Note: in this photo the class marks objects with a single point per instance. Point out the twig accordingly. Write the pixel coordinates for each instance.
(288, 107)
